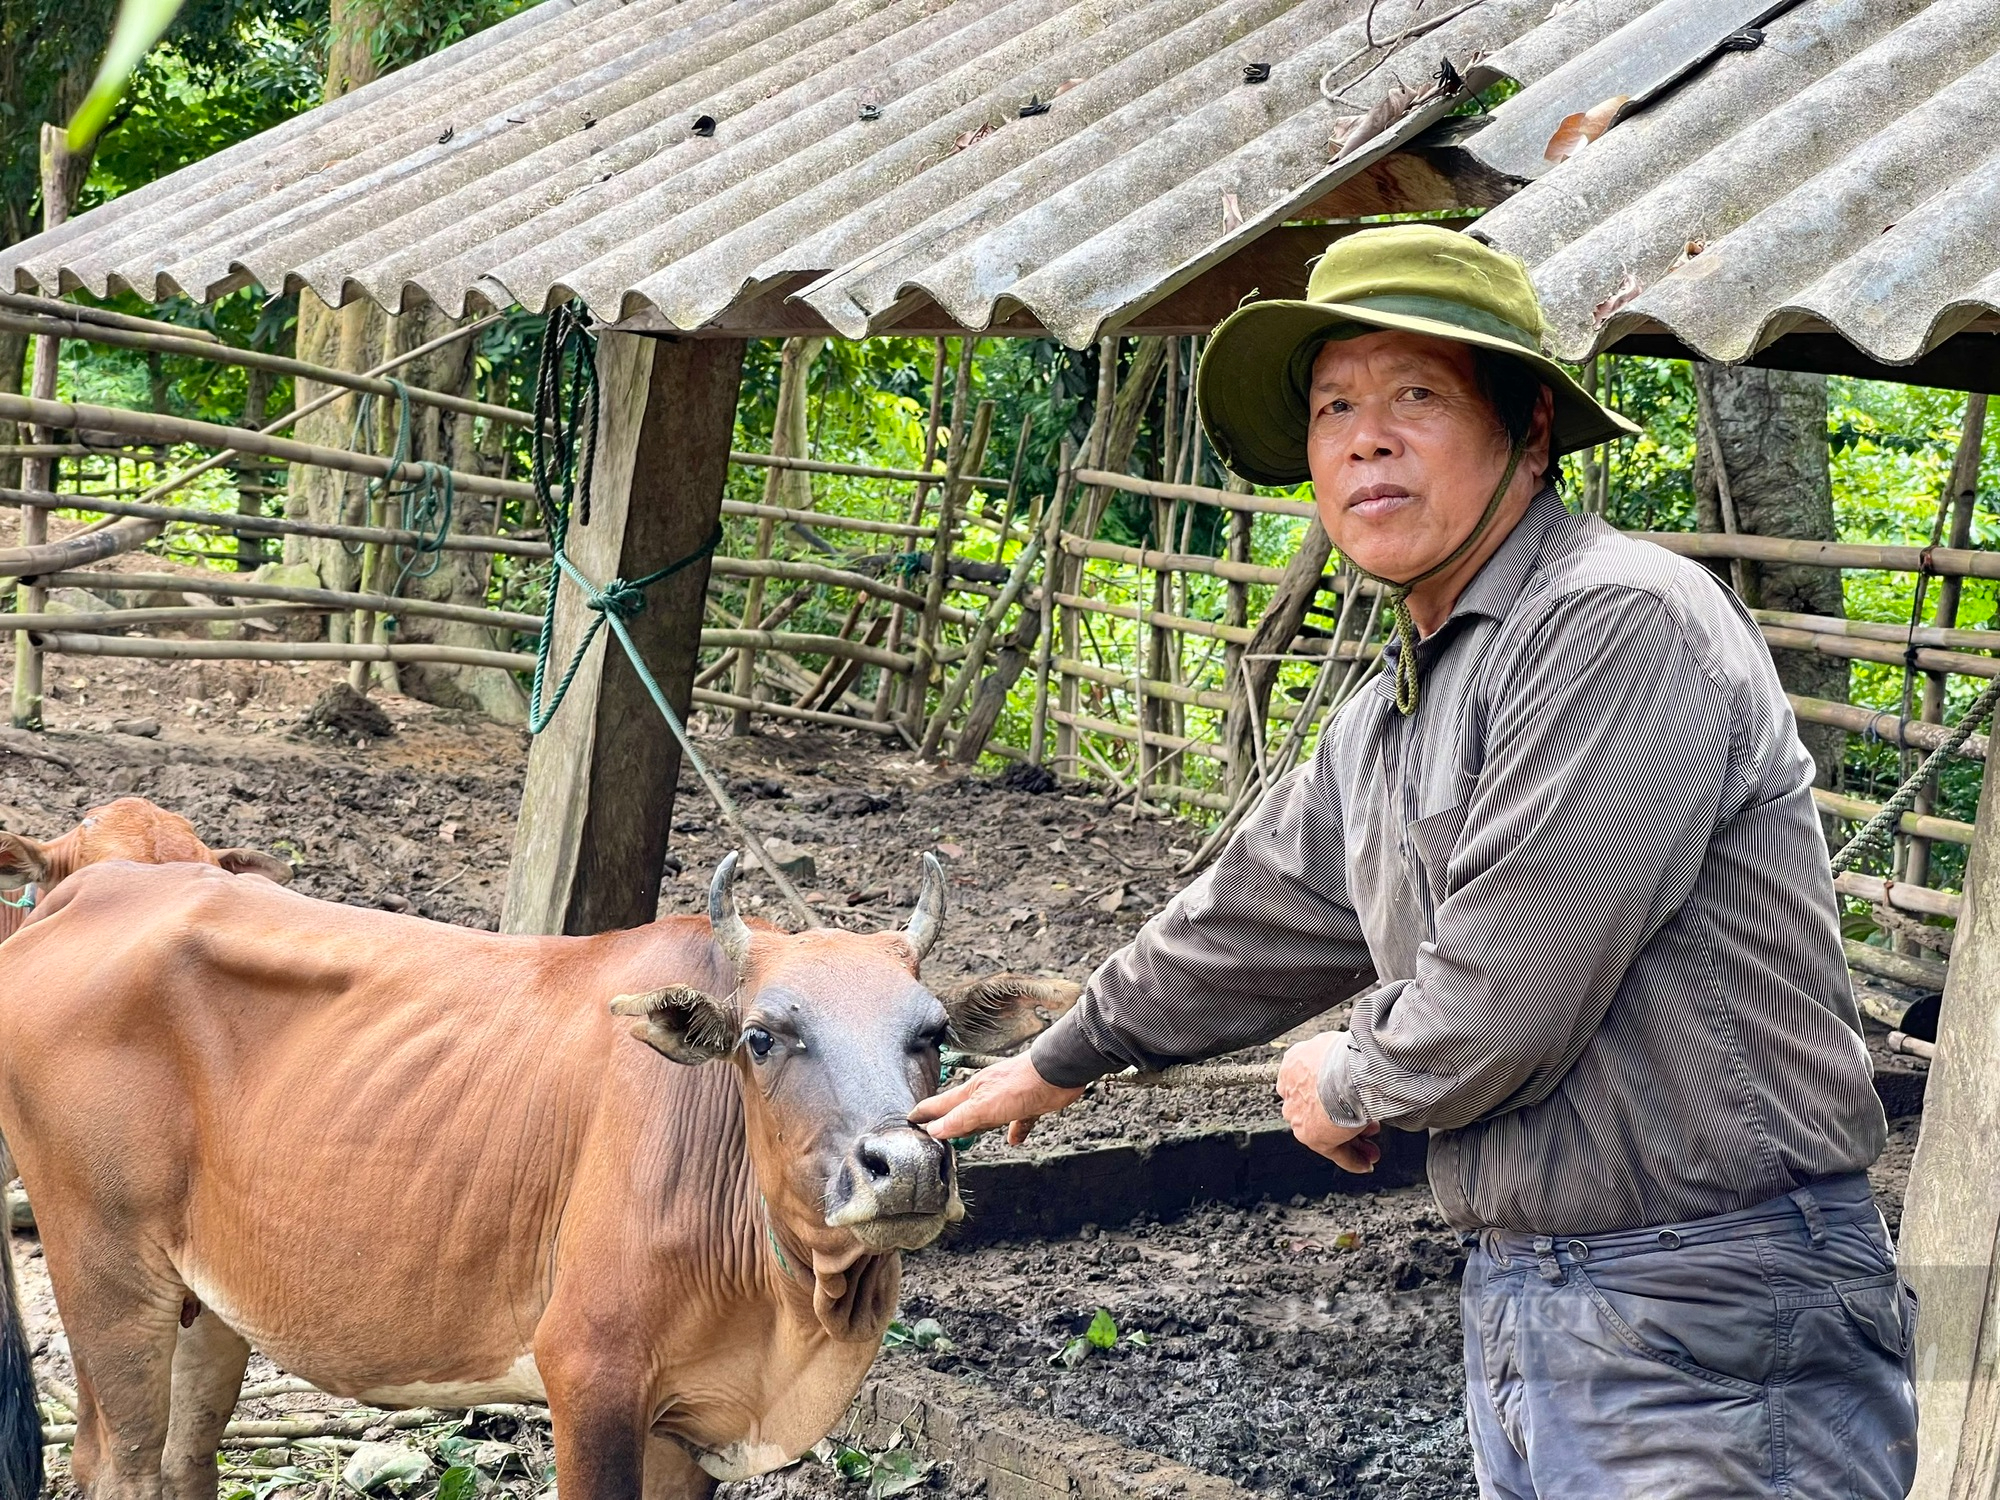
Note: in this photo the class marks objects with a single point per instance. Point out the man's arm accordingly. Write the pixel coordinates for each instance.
(1608, 751)
(1264, 938)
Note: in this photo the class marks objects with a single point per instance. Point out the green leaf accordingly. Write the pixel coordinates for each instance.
(897, 1334)
(1139, 1339)
(895, 1472)
(1072, 1354)
(852, 1463)
(140, 24)
(1103, 1331)
(929, 1334)
(460, 1482)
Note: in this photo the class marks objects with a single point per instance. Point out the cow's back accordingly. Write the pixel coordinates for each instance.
(333, 1118)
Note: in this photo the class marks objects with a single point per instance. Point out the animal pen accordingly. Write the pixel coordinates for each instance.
(990, 171)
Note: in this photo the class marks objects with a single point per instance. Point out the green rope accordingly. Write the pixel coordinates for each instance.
(426, 505)
(1880, 829)
(565, 452)
(1397, 597)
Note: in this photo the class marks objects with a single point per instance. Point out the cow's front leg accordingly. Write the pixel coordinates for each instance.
(673, 1474)
(599, 1408)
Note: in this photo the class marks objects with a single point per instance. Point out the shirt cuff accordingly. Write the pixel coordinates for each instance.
(1337, 1094)
(1064, 1056)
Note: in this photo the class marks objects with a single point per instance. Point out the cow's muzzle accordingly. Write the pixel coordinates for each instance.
(896, 1190)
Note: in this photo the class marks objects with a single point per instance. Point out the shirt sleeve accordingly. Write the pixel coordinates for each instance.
(1262, 939)
(1607, 753)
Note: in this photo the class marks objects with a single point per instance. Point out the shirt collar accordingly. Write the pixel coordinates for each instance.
(1495, 588)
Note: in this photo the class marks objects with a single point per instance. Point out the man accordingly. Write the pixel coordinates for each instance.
(1566, 859)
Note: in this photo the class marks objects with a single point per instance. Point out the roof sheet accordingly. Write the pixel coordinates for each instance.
(1843, 176)
(675, 159)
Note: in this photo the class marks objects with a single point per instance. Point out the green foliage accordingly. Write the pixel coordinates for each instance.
(404, 33)
(885, 1474)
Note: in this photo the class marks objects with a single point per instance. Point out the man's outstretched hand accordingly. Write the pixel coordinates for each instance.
(1349, 1146)
(1009, 1093)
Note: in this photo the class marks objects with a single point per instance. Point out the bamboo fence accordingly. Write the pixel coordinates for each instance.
(1170, 675)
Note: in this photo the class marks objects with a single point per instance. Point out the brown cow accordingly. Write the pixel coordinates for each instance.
(424, 1165)
(130, 828)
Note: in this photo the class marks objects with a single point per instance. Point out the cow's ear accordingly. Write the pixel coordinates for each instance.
(254, 862)
(680, 1022)
(21, 861)
(1001, 1011)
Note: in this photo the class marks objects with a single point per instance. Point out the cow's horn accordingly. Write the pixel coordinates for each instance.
(927, 918)
(731, 934)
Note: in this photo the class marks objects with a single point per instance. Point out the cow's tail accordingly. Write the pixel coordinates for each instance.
(20, 1414)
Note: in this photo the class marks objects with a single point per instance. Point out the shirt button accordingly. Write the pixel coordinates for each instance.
(1669, 1240)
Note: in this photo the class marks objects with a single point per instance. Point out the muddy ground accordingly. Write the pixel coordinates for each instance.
(1309, 1347)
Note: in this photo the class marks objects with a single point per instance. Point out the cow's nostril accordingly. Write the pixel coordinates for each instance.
(874, 1162)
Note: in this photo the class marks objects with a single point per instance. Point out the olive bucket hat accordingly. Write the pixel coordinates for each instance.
(1419, 278)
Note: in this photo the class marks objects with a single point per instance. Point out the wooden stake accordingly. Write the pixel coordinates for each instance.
(982, 641)
(1054, 564)
(59, 184)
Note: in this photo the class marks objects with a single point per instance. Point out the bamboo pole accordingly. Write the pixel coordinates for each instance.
(845, 679)
(1053, 564)
(70, 414)
(923, 477)
(332, 599)
(1875, 630)
(52, 307)
(840, 578)
(1944, 561)
(57, 168)
(1881, 724)
(833, 664)
(1896, 893)
(1084, 671)
(822, 520)
(982, 642)
(1179, 744)
(707, 698)
(1200, 494)
(1097, 447)
(955, 495)
(63, 644)
(886, 689)
(257, 359)
(1964, 491)
(1183, 624)
(788, 440)
(105, 621)
(1855, 810)
(238, 523)
(798, 643)
(1887, 965)
(1827, 643)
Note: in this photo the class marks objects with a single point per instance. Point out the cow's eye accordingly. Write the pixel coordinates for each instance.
(935, 1036)
(759, 1041)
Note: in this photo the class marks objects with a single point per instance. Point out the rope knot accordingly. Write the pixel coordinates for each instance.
(618, 597)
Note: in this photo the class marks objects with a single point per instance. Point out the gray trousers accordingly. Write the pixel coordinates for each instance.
(1758, 1353)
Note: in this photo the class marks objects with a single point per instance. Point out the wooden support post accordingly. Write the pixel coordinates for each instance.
(599, 795)
(1950, 1250)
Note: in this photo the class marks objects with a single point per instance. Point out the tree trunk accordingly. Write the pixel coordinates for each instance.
(359, 336)
(1770, 429)
(13, 364)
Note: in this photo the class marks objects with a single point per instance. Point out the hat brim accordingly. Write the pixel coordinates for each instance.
(1255, 371)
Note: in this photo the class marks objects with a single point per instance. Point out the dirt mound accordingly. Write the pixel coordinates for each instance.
(342, 713)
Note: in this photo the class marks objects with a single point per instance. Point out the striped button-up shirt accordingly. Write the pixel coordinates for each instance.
(1581, 896)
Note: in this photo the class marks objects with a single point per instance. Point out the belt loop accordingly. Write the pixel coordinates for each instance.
(1545, 1258)
(1809, 1210)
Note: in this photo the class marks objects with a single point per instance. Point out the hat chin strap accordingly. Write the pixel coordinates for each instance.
(1398, 592)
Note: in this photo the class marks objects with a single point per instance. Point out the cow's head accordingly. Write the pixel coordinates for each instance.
(837, 1039)
(129, 829)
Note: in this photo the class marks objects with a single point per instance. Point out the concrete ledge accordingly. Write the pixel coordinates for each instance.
(1021, 1454)
(1038, 1194)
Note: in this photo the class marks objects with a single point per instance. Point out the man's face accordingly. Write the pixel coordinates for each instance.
(1405, 450)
